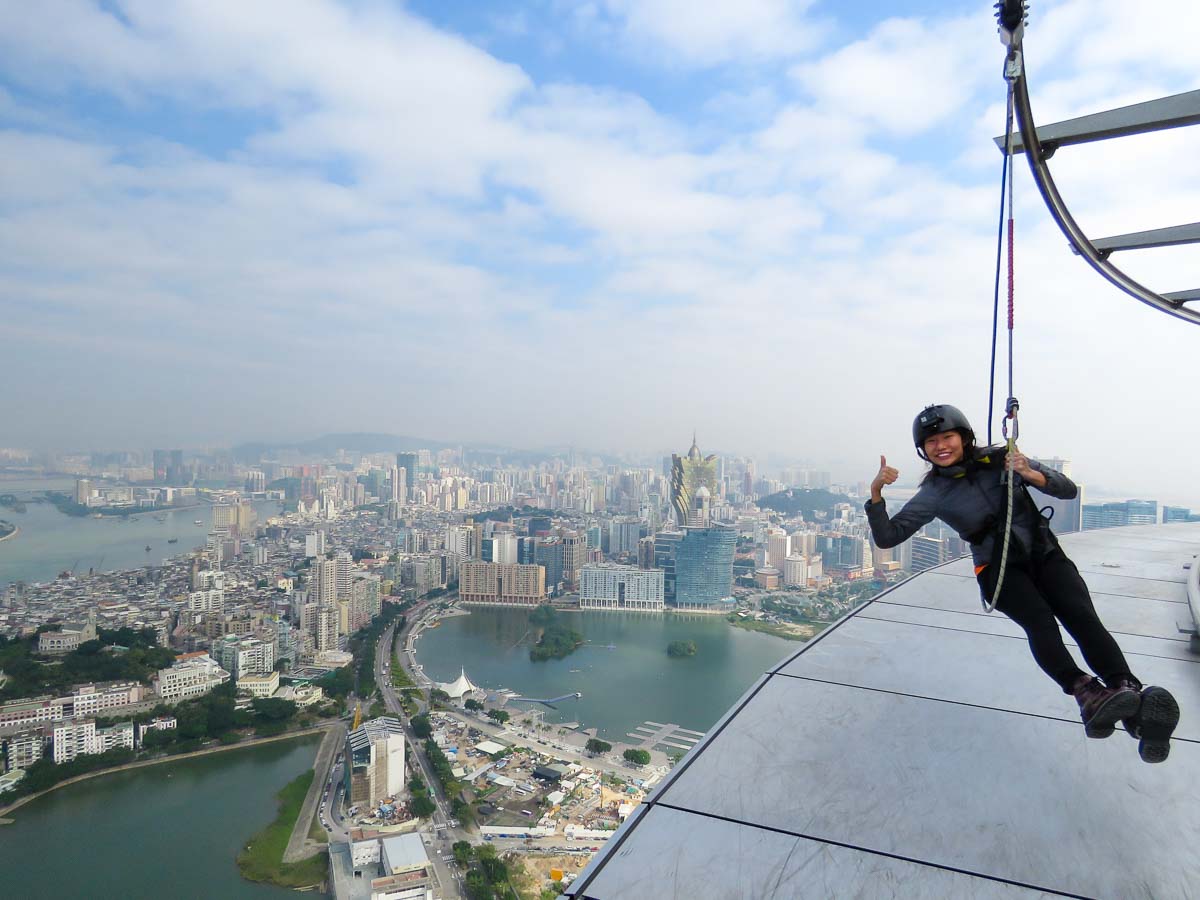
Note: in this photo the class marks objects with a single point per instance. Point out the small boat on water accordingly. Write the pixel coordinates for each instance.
(198, 522)
(147, 548)
(172, 540)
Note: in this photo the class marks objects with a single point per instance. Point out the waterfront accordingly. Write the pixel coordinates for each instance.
(171, 830)
(622, 687)
(51, 542)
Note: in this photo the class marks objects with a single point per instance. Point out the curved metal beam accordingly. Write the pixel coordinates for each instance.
(1080, 242)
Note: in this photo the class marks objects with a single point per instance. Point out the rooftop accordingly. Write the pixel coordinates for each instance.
(914, 749)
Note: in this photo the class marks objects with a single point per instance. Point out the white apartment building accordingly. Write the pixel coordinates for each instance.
(72, 739)
(795, 571)
(609, 586)
(192, 675)
(24, 749)
(241, 656)
(212, 600)
(78, 738)
(315, 544)
(92, 699)
(779, 547)
(117, 736)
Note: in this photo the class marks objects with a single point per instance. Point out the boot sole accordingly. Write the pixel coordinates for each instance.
(1157, 721)
(1119, 706)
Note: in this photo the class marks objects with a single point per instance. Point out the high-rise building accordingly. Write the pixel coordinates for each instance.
(928, 552)
(326, 624)
(666, 543)
(1176, 514)
(314, 544)
(795, 571)
(408, 463)
(83, 491)
(548, 553)
(324, 581)
(224, 517)
(624, 533)
(504, 547)
(704, 569)
(779, 547)
(161, 463)
(375, 762)
(646, 552)
(688, 474)
(574, 557)
(241, 656)
(501, 584)
(608, 586)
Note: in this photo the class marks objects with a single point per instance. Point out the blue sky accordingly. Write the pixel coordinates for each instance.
(595, 223)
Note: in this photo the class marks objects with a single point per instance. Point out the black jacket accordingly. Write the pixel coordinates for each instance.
(970, 500)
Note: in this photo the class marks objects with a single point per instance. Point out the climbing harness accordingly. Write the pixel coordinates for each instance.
(1010, 15)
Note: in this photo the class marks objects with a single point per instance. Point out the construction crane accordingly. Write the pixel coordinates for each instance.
(357, 715)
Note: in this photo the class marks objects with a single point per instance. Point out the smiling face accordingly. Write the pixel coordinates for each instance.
(944, 449)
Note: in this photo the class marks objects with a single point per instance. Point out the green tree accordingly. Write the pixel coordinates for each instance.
(421, 806)
(597, 746)
(473, 705)
(421, 727)
(637, 757)
(681, 648)
(498, 715)
(273, 709)
(462, 853)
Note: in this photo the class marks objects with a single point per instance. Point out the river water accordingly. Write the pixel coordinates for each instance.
(50, 542)
(633, 682)
(171, 830)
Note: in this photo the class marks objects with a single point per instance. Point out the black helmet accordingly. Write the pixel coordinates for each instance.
(936, 419)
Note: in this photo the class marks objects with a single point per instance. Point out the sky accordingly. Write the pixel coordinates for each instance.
(601, 224)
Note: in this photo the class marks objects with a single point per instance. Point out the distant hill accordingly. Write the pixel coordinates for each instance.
(803, 502)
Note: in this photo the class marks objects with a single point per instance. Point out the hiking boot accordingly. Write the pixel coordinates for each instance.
(1131, 723)
(1153, 722)
(1102, 707)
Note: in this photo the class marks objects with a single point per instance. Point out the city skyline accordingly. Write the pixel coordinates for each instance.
(437, 220)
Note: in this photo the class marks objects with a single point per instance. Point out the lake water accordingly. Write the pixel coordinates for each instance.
(51, 542)
(171, 830)
(622, 687)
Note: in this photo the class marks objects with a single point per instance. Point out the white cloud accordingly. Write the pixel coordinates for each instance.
(906, 75)
(748, 31)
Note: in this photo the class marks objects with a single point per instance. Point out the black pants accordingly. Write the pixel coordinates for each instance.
(1037, 596)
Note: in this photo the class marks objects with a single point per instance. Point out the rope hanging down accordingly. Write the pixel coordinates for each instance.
(1012, 68)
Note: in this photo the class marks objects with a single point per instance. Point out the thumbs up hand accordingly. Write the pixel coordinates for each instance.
(887, 475)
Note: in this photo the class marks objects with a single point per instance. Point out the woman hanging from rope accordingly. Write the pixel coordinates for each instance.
(1039, 586)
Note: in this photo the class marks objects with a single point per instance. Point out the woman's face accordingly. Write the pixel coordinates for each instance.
(945, 449)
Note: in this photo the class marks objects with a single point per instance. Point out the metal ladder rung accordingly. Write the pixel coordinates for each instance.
(1182, 297)
(1155, 237)
(1175, 111)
